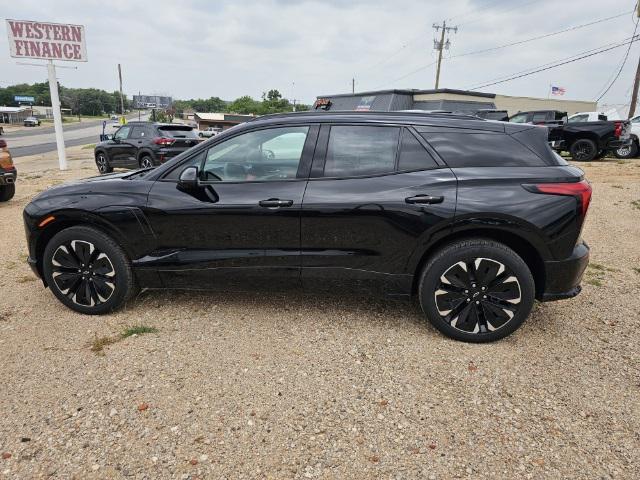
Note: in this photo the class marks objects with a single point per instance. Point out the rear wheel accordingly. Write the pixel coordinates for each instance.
(583, 150)
(476, 290)
(146, 162)
(87, 271)
(102, 162)
(630, 151)
(7, 192)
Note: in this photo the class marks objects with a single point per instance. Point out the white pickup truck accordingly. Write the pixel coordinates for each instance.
(209, 132)
(587, 117)
(631, 151)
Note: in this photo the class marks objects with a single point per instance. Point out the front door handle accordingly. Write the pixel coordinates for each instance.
(424, 199)
(275, 203)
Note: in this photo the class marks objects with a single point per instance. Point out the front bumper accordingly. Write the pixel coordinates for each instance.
(562, 278)
(9, 177)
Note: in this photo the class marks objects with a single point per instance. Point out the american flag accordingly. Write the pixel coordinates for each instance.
(557, 90)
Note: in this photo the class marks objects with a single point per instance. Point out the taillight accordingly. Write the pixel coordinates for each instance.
(163, 141)
(618, 129)
(580, 190)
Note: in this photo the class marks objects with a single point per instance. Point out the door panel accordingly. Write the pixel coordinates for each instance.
(363, 231)
(220, 237)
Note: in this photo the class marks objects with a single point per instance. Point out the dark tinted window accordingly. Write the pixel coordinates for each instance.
(539, 117)
(178, 131)
(138, 132)
(481, 150)
(413, 156)
(194, 161)
(361, 150)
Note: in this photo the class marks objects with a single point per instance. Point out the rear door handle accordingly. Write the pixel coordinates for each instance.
(275, 203)
(424, 199)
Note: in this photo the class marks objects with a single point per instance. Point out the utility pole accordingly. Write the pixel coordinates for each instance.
(441, 44)
(121, 97)
(634, 95)
(353, 85)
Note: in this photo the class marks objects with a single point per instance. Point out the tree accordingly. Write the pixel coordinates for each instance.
(245, 105)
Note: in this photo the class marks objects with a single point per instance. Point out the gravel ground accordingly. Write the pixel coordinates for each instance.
(305, 386)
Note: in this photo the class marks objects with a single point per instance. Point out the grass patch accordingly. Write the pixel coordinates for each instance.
(597, 266)
(635, 204)
(594, 281)
(99, 343)
(25, 279)
(138, 330)
(637, 270)
(91, 146)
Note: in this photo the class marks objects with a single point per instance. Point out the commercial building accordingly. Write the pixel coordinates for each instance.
(448, 100)
(219, 120)
(14, 114)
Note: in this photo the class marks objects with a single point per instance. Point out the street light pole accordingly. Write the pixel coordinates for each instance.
(57, 115)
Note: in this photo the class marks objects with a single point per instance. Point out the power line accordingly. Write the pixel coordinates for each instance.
(633, 39)
(539, 37)
(624, 61)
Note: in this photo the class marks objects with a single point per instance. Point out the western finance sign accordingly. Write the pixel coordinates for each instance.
(49, 41)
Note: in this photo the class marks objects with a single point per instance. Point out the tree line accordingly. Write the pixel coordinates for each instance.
(94, 101)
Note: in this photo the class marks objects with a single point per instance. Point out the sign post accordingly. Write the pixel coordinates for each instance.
(57, 115)
(49, 41)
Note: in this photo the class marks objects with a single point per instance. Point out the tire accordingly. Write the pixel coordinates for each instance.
(87, 271)
(583, 150)
(102, 162)
(488, 308)
(146, 162)
(627, 152)
(7, 192)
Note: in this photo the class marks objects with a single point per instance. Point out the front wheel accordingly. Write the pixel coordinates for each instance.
(7, 192)
(102, 162)
(476, 290)
(87, 271)
(630, 151)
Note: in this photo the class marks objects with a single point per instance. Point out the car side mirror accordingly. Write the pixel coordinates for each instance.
(109, 136)
(189, 178)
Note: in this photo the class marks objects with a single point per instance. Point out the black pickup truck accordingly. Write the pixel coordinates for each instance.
(585, 141)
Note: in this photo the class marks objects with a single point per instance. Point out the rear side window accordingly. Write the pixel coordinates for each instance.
(178, 132)
(361, 150)
(539, 117)
(413, 156)
(482, 150)
(138, 132)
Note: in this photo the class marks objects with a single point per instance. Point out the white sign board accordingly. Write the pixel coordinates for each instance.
(48, 41)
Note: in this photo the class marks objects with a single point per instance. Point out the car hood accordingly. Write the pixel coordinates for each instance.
(111, 189)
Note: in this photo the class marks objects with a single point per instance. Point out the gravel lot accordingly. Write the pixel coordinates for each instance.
(304, 386)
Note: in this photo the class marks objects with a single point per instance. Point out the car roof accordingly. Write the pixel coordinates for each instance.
(406, 118)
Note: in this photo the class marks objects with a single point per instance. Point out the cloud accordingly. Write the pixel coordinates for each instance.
(231, 48)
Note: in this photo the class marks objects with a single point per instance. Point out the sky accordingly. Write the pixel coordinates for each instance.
(306, 48)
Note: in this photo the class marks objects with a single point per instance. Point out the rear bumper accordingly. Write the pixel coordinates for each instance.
(562, 278)
(616, 144)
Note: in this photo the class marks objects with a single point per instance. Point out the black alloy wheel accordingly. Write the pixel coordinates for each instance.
(87, 271)
(583, 150)
(476, 290)
(146, 162)
(479, 295)
(103, 164)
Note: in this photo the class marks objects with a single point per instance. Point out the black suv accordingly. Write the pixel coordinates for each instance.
(143, 145)
(476, 218)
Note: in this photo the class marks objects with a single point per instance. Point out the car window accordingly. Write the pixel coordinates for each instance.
(578, 118)
(519, 118)
(122, 133)
(539, 117)
(635, 119)
(138, 132)
(178, 132)
(481, 150)
(263, 155)
(361, 150)
(413, 156)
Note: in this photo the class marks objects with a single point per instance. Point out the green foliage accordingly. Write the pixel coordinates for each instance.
(138, 330)
(84, 101)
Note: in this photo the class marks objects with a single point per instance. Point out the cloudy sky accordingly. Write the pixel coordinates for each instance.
(305, 48)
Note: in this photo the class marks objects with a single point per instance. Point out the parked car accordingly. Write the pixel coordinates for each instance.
(540, 117)
(584, 140)
(209, 132)
(114, 118)
(143, 145)
(8, 173)
(631, 150)
(31, 122)
(587, 117)
(401, 203)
